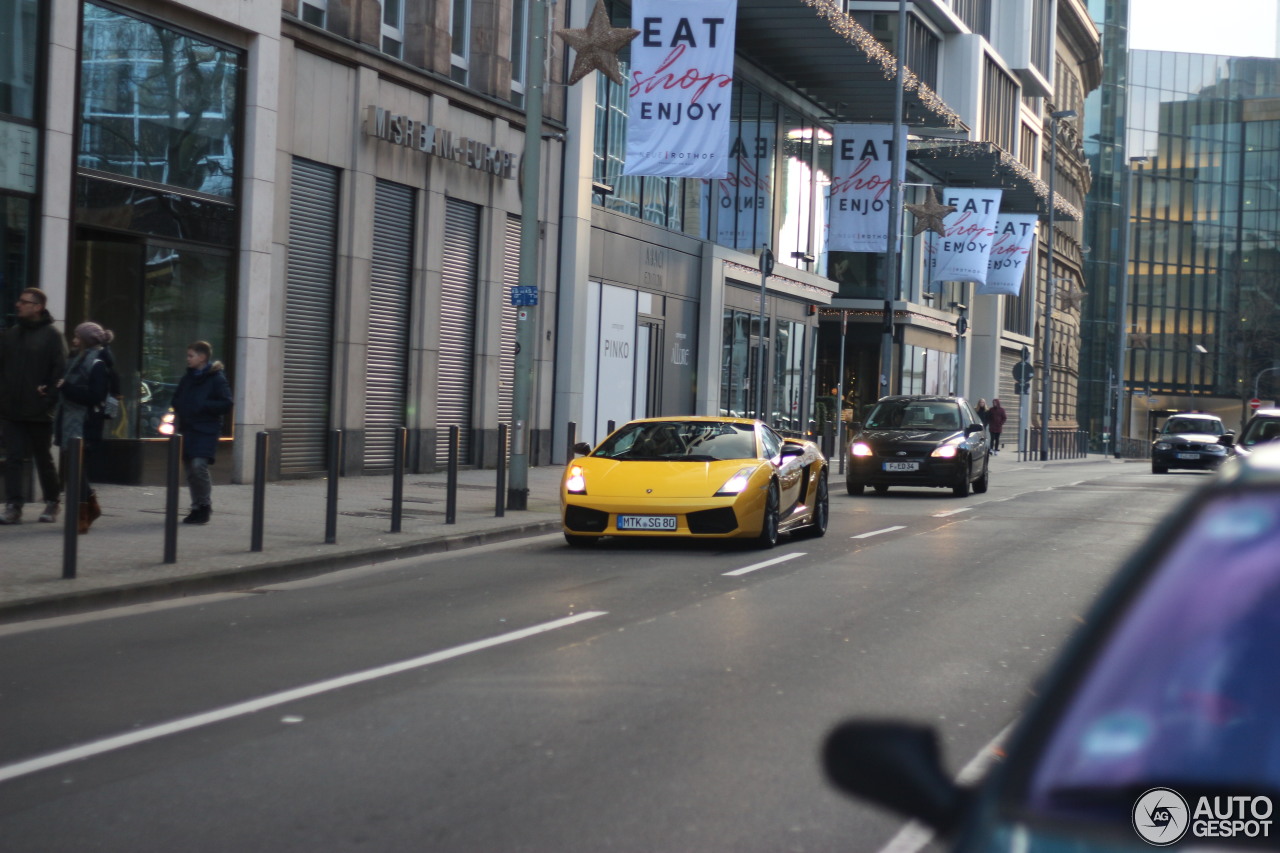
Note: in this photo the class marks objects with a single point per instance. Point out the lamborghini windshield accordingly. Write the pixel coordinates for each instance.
(680, 441)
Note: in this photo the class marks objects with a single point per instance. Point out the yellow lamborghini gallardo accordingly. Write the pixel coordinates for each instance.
(706, 477)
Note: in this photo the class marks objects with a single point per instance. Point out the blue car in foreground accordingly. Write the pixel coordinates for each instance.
(1159, 725)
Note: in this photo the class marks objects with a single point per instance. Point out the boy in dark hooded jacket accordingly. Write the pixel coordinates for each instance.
(202, 400)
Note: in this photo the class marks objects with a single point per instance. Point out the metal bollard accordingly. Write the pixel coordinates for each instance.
(397, 479)
(500, 506)
(573, 440)
(331, 501)
(71, 516)
(171, 499)
(611, 427)
(262, 446)
(451, 484)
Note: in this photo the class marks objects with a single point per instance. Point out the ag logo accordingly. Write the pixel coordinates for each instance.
(1161, 817)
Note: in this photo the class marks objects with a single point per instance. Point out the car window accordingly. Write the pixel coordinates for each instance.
(772, 442)
(914, 414)
(1186, 688)
(686, 441)
(1200, 425)
(1260, 431)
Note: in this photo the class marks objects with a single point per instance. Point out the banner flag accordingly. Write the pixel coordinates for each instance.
(963, 253)
(743, 199)
(681, 88)
(858, 211)
(1010, 253)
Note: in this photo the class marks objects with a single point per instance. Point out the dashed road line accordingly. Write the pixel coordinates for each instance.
(765, 564)
(878, 532)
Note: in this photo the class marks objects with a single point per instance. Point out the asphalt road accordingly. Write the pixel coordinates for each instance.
(529, 697)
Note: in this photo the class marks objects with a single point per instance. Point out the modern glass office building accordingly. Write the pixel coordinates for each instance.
(1203, 308)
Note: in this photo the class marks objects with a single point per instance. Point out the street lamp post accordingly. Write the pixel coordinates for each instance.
(1258, 378)
(1046, 381)
(1122, 303)
(531, 165)
(891, 284)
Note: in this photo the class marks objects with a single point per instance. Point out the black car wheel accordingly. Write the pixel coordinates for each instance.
(961, 489)
(821, 510)
(769, 525)
(980, 484)
(1159, 469)
(855, 488)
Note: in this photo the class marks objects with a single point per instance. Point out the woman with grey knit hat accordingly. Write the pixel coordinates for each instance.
(82, 394)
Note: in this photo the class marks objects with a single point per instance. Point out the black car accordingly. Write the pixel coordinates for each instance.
(919, 440)
(1262, 428)
(1166, 700)
(1194, 440)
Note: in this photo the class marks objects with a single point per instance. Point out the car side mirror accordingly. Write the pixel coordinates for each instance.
(972, 428)
(896, 765)
(582, 449)
(855, 426)
(1227, 439)
(790, 451)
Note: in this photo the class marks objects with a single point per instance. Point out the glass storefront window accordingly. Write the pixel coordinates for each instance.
(157, 104)
(15, 251)
(157, 299)
(789, 387)
(20, 34)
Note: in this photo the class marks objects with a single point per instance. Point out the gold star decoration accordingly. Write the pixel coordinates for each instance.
(929, 215)
(1074, 298)
(597, 46)
(1140, 340)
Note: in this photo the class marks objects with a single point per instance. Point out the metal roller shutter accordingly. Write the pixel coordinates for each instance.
(459, 266)
(308, 324)
(390, 286)
(507, 341)
(1009, 399)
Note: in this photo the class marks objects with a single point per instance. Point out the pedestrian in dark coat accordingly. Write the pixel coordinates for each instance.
(82, 393)
(984, 414)
(33, 357)
(202, 400)
(995, 423)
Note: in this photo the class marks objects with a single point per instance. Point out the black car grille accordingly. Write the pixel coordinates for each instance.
(1187, 445)
(902, 454)
(586, 520)
(721, 520)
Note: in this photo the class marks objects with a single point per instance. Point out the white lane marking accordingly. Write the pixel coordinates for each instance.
(914, 836)
(766, 563)
(952, 512)
(878, 532)
(87, 750)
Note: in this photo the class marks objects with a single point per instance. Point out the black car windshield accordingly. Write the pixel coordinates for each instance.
(680, 441)
(1186, 690)
(1260, 431)
(1204, 426)
(914, 414)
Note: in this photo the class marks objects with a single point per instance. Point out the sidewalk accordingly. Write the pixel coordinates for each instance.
(121, 559)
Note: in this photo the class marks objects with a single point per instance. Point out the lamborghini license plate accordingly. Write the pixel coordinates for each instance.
(646, 522)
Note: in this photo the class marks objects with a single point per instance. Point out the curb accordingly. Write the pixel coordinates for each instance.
(230, 580)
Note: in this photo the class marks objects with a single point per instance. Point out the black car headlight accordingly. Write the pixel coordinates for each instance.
(1163, 445)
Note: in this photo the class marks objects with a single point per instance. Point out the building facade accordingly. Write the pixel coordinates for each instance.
(330, 192)
(1205, 255)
